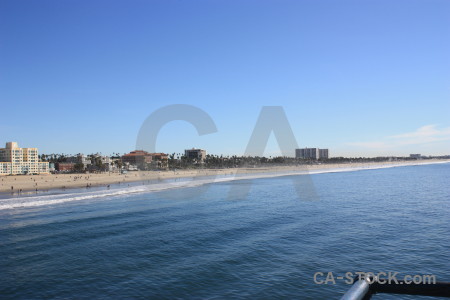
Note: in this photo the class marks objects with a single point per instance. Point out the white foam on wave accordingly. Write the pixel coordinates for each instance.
(62, 198)
(36, 201)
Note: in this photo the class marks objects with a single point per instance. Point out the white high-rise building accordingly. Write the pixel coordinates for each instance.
(15, 160)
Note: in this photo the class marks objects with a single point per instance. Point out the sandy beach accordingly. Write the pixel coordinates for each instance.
(22, 183)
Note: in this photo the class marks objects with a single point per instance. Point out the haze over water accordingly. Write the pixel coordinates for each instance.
(179, 243)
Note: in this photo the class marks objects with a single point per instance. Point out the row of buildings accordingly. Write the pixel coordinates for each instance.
(142, 159)
(135, 160)
(15, 160)
(81, 162)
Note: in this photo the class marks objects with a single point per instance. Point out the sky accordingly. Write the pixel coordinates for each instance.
(362, 78)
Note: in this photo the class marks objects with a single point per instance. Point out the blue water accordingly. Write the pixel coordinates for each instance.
(180, 243)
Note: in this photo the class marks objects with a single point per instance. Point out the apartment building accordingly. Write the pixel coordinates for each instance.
(197, 154)
(311, 153)
(15, 160)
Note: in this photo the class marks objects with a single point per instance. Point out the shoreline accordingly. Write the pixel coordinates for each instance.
(18, 184)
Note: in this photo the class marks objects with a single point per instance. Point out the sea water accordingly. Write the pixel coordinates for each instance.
(192, 240)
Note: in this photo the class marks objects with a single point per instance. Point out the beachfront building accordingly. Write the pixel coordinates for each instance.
(65, 167)
(91, 163)
(197, 154)
(160, 160)
(138, 158)
(100, 163)
(311, 153)
(15, 160)
(79, 159)
(144, 160)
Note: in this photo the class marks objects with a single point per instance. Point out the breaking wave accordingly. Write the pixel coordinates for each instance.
(36, 201)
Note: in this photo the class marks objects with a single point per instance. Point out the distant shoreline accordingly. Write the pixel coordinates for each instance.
(26, 183)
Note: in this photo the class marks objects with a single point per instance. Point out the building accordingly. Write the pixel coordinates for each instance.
(160, 160)
(159, 156)
(138, 158)
(92, 162)
(415, 156)
(197, 154)
(311, 153)
(65, 167)
(80, 158)
(100, 163)
(323, 153)
(15, 160)
(144, 160)
(307, 153)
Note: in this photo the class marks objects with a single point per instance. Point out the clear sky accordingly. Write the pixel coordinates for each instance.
(362, 78)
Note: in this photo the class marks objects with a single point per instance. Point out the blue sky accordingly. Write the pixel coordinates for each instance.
(362, 78)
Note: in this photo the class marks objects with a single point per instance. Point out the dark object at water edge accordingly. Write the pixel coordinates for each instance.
(364, 289)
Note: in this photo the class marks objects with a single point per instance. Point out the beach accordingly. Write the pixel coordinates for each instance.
(21, 183)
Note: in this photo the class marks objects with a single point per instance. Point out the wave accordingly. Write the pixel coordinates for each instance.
(36, 201)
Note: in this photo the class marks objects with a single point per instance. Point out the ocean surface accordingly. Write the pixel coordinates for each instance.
(196, 240)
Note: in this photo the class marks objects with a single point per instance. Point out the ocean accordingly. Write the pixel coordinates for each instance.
(198, 241)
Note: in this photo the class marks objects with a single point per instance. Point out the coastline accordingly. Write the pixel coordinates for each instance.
(26, 183)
